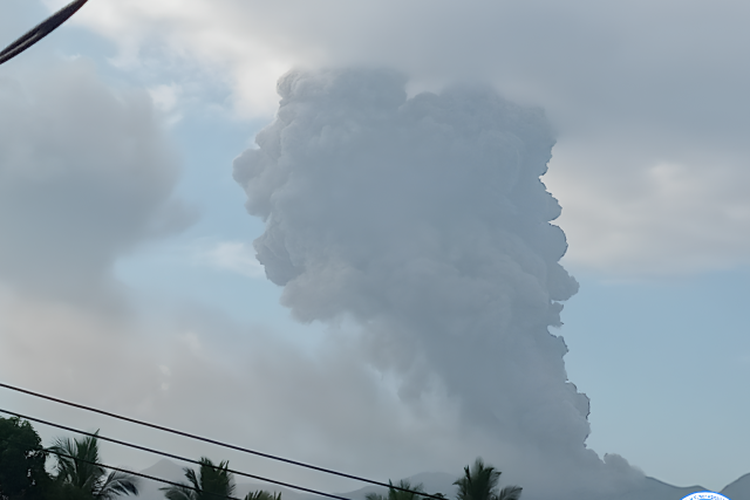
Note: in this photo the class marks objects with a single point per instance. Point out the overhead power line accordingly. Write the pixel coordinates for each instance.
(170, 455)
(40, 31)
(214, 441)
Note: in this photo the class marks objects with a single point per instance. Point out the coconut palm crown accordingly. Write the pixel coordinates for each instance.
(263, 495)
(78, 467)
(399, 494)
(211, 482)
(480, 483)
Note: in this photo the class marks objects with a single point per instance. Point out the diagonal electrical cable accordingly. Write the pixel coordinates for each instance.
(141, 474)
(213, 441)
(169, 455)
(40, 31)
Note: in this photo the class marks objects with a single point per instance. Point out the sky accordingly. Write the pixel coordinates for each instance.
(128, 275)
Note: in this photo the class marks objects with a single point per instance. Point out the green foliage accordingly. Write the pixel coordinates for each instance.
(395, 494)
(80, 476)
(212, 482)
(510, 493)
(262, 495)
(22, 474)
(480, 483)
(66, 491)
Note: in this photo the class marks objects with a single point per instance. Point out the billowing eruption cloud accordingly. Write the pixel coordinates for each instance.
(424, 222)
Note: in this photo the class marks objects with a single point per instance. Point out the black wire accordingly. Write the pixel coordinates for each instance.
(170, 455)
(40, 31)
(213, 441)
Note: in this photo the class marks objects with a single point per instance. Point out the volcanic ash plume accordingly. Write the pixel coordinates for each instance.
(424, 220)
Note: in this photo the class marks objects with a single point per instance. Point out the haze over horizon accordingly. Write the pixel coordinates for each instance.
(128, 276)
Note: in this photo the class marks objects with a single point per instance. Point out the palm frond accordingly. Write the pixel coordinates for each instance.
(394, 494)
(211, 482)
(79, 468)
(510, 493)
(181, 492)
(215, 480)
(78, 462)
(263, 495)
(478, 483)
(192, 478)
(117, 484)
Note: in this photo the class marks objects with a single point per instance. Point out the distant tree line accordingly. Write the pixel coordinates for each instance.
(78, 475)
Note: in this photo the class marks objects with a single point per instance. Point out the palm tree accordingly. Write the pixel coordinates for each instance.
(480, 483)
(399, 494)
(212, 482)
(78, 468)
(262, 495)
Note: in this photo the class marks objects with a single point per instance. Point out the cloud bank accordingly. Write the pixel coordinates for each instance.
(632, 87)
(86, 173)
(423, 221)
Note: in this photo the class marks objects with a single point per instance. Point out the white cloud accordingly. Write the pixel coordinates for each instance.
(166, 98)
(637, 219)
(233, 256)
(86, 174)
(653, 82)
